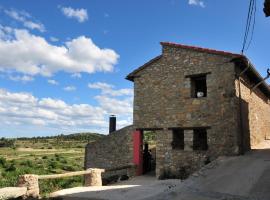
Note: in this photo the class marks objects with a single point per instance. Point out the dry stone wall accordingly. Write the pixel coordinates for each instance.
(115, 150)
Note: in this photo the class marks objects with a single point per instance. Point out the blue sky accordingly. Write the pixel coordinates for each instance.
(63, 63)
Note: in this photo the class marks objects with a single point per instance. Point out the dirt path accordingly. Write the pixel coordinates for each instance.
(242, 177)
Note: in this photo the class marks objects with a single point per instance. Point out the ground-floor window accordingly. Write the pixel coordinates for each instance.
(178, 139)
(190, 138)
(200, 139)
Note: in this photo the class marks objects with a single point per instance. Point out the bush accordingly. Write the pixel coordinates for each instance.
(44, 157)
(64, 161)
(69, 168)
(27, 163)
(11, 167)
(3, 161)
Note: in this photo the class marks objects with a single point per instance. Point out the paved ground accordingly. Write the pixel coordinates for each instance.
(242, 177)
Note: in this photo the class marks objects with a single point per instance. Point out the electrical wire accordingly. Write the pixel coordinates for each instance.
(251, 21)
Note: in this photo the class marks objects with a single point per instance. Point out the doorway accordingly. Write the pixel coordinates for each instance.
(149, 152)
(144, 151)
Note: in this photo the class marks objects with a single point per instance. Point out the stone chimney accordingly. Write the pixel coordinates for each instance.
(112, 124)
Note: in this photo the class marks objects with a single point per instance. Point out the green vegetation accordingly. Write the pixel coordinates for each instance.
(45, 155)
(150, 138)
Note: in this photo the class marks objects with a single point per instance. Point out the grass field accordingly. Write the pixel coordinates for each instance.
(43, 156)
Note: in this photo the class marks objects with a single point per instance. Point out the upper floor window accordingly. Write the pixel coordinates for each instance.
(198, 86)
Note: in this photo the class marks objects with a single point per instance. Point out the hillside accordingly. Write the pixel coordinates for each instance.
(44, 155)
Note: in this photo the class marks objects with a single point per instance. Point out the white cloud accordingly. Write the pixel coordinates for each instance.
(79, 14)
(25, 19)
(23, 78)
(108, 89)
(54, 39)
(69, 88)
(53, 82)
(33, 55)
(76, 75)
(29, 112)
(196, 3)
(115, 106)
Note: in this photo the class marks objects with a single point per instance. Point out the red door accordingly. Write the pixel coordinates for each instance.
(137, 151)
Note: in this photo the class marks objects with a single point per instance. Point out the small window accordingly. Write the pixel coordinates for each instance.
(200, 139)
(198, 86)
(178, 139)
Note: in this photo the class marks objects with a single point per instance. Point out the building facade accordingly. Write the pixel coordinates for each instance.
(200, 103)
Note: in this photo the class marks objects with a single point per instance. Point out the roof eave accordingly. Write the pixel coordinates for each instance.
(132, 75)
(256, 74)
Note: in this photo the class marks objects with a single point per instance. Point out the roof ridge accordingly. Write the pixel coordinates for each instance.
(196, 48)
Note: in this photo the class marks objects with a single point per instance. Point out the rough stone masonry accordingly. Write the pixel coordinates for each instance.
(200, 106)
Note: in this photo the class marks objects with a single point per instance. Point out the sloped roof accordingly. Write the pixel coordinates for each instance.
(252, 72)
(132, 75)
(206, 50)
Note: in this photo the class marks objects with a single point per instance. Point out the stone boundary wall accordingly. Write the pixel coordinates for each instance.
(114, 150)
(256, 111)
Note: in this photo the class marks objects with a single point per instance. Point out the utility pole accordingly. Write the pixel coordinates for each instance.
(267, 8)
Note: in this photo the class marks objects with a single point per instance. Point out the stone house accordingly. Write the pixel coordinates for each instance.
(200, 103)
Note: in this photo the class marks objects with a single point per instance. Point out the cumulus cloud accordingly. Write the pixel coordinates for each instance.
(53, 82)
(25, 19)
(69, 88)
(196, 3)
(115, 106)
(23, 78)
(79, 14)
(54, 39)
(76, 75)
(108, 89)
(33, 55)
(20, 108)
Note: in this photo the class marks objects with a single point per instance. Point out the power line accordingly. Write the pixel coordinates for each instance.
(251, 21)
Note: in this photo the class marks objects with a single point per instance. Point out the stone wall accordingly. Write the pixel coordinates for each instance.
(256, 113)
(163, 100)
(115, 150)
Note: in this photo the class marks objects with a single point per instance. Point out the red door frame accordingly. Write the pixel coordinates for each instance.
(138, 151)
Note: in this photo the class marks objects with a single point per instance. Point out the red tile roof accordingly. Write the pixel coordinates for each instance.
(213, 51)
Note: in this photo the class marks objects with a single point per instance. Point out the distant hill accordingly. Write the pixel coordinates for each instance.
(74, 140)
(73, 136)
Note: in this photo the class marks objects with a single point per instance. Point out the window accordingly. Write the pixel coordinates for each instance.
(178, 139)
(200, 139)
(198, 86)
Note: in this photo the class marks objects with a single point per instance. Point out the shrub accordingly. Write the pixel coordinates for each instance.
(3, 161)
(11, 167)
(44, 157)
(64, 161)
(167, 174)
(69, 168)
(27, 163)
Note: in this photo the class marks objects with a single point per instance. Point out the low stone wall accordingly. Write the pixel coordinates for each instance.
(112, 151)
